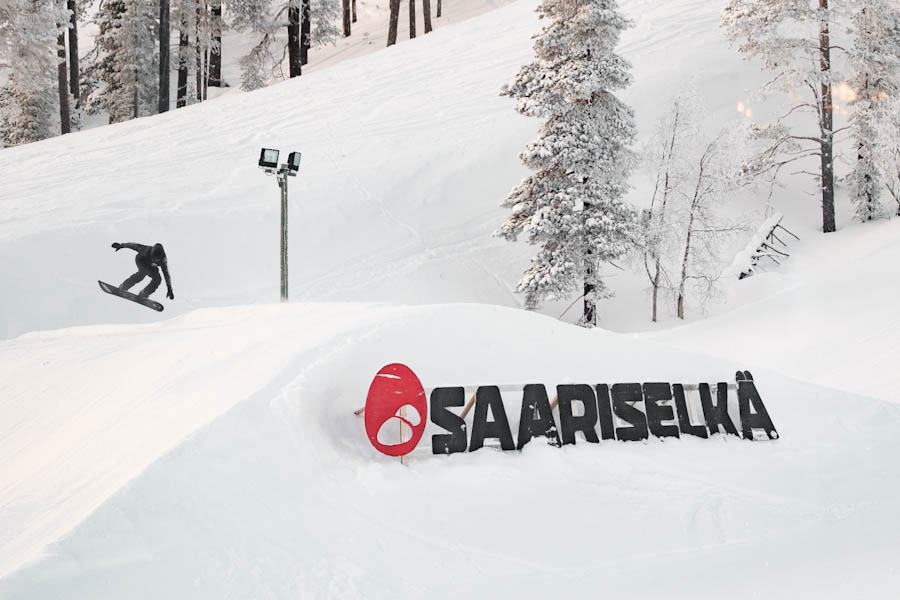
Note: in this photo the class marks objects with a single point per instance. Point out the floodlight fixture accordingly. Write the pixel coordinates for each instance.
(268, 158)
(293, 163)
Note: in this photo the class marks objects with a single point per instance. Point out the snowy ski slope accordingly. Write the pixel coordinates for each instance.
(283, 497)
(211, 451)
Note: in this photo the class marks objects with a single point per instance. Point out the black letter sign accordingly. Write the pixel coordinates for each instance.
(657, 412)
(716, 414)
(536, 417)
(455, 441)
(624, 395)
(489, 396)
(759, 419)
(684, 415)
(604, 413)
(568, 422)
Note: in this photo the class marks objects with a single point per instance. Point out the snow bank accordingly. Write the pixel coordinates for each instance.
(283, 497)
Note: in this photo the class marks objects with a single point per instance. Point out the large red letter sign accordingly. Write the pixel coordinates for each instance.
(393, 387)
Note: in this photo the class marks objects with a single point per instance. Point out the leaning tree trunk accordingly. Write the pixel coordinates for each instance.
(65, 125)
(294, 61)
(305, 29)
(412, 19)
(163, 56)
(345, 4)
(395, 18)
(826, 125)
(426, 14)
(215, 57)
(74, 71)
(184, 42)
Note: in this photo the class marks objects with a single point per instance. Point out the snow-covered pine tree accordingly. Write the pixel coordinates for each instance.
(123, 77)
(267, 17)
(889, 157)
(794, 40)
(573, 204)
(29, 100)
(875, 61)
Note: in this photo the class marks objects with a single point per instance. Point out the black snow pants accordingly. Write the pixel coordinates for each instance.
(145, 269)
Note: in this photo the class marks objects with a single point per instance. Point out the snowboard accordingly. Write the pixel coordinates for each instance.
(115, 291)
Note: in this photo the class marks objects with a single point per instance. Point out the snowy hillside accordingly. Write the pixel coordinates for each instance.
(283, 497)
(211, 451)
(397, 196)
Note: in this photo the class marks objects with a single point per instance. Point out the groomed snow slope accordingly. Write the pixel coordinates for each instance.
(283, 497)
(407, 155)
(827, 316)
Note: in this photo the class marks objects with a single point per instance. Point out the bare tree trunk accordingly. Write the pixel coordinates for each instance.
(589, 318)
(74, 71)
(65, 125)
(199, 53)
(395, 18)
(353, 10)
(295, 61)
(305, 32)
(426, 14)
(164, 30)
(135, 98)
(215, 57)
(826, 124)
(346, 10)
(412, 19)
(438, 9)
(184, 43)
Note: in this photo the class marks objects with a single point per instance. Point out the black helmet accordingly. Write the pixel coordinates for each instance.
(157, 253)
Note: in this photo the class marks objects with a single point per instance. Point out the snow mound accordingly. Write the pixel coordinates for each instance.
(282, 496)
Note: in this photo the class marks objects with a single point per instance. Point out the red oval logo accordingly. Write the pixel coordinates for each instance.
(395, 387)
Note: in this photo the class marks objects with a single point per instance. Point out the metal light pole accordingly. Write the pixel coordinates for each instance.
(283, 184)
(268, 161)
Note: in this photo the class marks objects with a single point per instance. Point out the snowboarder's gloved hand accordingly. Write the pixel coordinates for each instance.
(170, 295)
(117, 246)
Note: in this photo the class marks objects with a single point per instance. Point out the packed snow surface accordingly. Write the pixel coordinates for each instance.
(212, 451)
(283, 497)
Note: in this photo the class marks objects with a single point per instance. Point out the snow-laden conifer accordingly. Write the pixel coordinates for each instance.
(573, 205)
(123, 76)
(29, 100)
(265, 18)
(875, 61)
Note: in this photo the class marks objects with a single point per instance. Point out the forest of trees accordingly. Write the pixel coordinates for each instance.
(572, 205)
(141, 45)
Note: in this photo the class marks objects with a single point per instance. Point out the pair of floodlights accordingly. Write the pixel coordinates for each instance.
(268, 161)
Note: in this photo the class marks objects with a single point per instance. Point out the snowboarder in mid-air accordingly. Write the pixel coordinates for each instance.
(149, 260)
